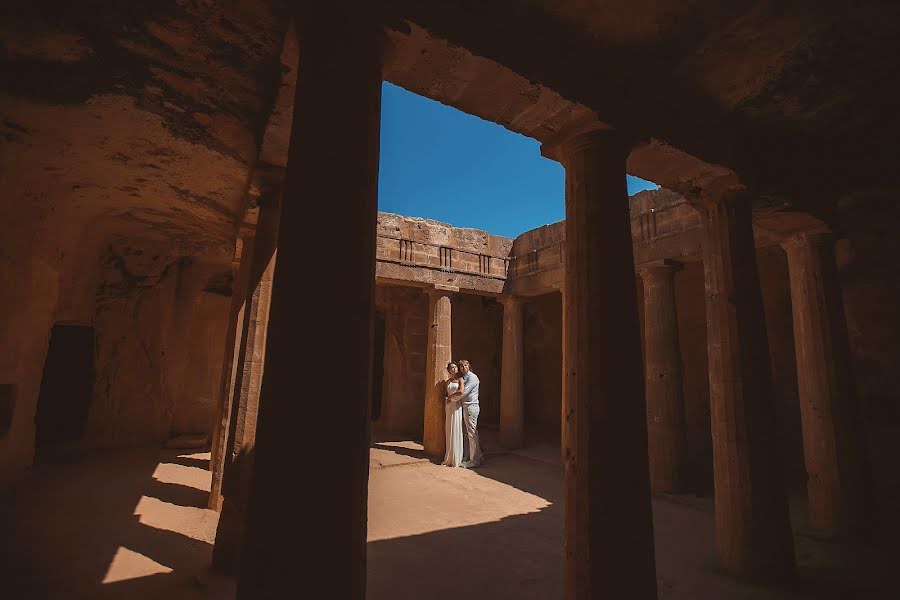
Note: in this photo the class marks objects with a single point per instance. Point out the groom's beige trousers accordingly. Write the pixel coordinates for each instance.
(470, 418)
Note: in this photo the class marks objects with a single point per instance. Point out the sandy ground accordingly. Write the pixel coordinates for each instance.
(131, 525)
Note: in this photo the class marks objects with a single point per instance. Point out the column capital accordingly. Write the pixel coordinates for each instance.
(580, 137)
(662, 266)
(439, 289)
(505, 300)
(725, 190)
(808, 238)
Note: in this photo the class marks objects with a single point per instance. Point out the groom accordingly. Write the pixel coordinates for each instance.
(471, 410)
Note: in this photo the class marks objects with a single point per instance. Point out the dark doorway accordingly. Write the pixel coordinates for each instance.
(66, 385)
(377, 366)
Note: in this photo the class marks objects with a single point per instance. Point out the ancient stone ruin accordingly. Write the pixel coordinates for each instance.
(192, 260)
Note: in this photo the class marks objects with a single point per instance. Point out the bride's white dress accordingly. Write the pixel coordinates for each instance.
(453, 428)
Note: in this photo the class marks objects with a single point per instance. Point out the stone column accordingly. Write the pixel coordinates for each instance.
(833, 441)
(233, 337)
(664, 381)
(512, 391)
(567, 441)
(439, 352)
(753, 530)
(609, 529)
(242, 434)
(306, 515)
(237, 463)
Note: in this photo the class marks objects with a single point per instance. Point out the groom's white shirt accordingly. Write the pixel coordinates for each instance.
(470, 396)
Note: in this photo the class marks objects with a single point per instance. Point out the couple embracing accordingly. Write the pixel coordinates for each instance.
(461, 409)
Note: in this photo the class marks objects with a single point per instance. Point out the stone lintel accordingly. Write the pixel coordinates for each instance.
(425, 277)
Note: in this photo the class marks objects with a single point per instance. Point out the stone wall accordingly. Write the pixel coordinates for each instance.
(202, 303)
(405, 312)
(158, 320)
(160, 325)
(543, 368)
(48, 272)
(427, 235)
(135, 315)
(478, 337)
(425, 252)
(30, 269)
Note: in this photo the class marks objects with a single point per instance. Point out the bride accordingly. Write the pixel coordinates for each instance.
(453, 410)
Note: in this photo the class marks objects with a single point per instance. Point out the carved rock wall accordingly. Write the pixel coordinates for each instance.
(159, 343)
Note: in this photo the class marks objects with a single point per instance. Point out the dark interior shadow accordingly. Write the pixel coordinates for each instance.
(519, 557)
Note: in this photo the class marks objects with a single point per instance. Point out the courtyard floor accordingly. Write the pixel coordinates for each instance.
(131, 525)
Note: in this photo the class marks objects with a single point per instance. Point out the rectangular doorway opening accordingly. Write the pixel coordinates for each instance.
(66, 386)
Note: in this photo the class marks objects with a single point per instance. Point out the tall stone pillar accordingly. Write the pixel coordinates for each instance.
(663, 375)
(839, 484)
(306, 515)
(438, 353)
(609, 529)
(753, 530)
(567, 429)
(233, 342)
(512, 391)
(237, 463)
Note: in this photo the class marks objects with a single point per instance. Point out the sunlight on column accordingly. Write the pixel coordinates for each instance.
(128, 564)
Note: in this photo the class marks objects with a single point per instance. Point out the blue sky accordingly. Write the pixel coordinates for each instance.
(440, 163)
